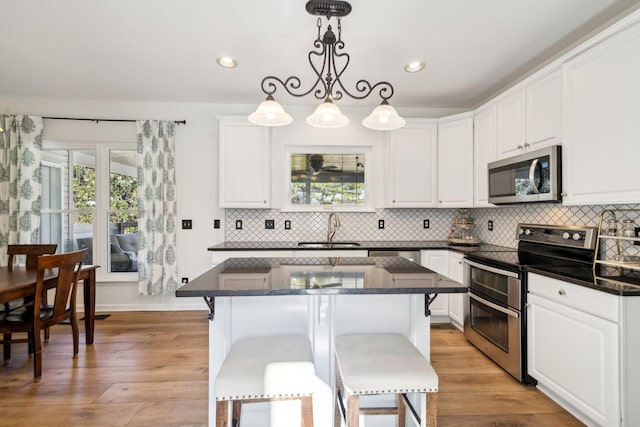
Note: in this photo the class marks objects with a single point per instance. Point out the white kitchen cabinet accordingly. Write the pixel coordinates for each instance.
(543, 110)
(574, 348)
(510, 124)
(244, 164)
(411, 165)
(244, 280)
(456, 301)
(438, 261)
(484, 152)
(455, 161)
(601, 135)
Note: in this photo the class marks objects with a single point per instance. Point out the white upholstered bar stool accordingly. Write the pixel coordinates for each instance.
(383, 364)
(265, 369)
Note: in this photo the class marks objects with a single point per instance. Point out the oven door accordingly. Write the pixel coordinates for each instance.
(504, 287)
(496, 331)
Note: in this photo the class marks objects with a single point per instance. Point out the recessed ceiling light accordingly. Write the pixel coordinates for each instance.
(414, 67)
(227, 62)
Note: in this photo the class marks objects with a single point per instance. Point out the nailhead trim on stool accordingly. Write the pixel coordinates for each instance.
(383, 364)
(266, 368)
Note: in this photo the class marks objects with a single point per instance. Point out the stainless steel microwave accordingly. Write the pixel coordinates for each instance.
(535, 176)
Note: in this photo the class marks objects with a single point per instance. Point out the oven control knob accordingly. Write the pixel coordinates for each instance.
(566, 235)
(576, 236)
(522, 231)
(528, 232)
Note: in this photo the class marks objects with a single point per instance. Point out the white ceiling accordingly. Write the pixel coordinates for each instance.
(165, 50)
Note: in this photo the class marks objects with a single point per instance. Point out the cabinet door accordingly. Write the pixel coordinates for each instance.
(601, 135)
(456, 266)
(456, 301)
(244, 164)
(574, 356)
(543, 100)
(574, 346)
(510, 132)
(484, 152)
(412, 165)
(436, 260)
(455, 163)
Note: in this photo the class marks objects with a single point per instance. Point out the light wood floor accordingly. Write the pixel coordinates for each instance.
(150, 369)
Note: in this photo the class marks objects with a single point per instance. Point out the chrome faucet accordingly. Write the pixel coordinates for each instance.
(334, 223)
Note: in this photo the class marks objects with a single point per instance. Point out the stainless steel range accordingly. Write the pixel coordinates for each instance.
(495, 319)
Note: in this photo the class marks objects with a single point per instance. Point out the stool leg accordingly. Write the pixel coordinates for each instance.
(401, 410)
(306, 404)
(337, 411)
(353, 411)
(432, 410)
(237, 411)
(222, 413)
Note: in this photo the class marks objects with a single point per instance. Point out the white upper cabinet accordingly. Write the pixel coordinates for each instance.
(601, 141)
(412, 156)
(484, 152)
(510, 117)
(529, 117)
(543, 111)
(244, 164)
(455, 161)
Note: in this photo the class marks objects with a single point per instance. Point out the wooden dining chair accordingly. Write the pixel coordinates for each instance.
(38, 316)
(31, 252)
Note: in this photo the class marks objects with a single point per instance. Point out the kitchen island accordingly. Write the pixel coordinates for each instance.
(318, 297)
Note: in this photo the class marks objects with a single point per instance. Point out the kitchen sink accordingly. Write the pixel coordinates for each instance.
(326, 245)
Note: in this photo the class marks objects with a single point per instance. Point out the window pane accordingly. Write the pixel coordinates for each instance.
(123, 211)
(327, 179)
(68, 200)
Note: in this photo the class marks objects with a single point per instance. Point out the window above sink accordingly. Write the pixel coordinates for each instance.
(328, 178)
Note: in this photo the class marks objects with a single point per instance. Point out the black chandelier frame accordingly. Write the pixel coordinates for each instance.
(335, 61)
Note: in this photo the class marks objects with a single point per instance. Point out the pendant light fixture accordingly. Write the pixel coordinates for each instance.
(328, 62)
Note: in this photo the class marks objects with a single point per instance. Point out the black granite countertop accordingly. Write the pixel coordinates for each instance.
(623, 286)
(385, 245)
(318, 276)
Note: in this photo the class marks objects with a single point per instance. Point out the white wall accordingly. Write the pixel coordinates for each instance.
(196, 170)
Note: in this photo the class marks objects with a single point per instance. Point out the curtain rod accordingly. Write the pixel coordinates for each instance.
(178, 122)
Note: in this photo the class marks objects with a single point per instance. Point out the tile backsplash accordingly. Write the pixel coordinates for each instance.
(406, 224)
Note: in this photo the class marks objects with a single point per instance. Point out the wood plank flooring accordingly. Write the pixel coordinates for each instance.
(150, 369)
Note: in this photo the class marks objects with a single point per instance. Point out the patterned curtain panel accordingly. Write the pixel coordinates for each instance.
(158, 273)
(20, 181)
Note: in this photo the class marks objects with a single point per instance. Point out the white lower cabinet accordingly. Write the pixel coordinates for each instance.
(446, 307)
(578, 348)
(456, 301)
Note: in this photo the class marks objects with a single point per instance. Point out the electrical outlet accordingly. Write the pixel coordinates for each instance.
(216, 223)
(490, 225)
(425, 223)
(187, 224)
(287, 224)
(238, 224)
(269, 224)
(381, 224)
(185, 280)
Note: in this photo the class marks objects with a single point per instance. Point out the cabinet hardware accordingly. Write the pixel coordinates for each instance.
(562, 292)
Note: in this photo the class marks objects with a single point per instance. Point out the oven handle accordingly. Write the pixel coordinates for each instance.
(495, 306)
(492, 270)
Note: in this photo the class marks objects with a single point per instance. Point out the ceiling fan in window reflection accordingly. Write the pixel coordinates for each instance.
(316, 165)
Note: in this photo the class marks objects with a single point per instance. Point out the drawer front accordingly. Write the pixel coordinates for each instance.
(594, 302)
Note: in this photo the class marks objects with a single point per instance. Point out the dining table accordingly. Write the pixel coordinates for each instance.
(20, 282)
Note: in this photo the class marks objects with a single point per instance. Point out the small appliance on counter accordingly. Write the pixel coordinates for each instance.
(462, 230)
